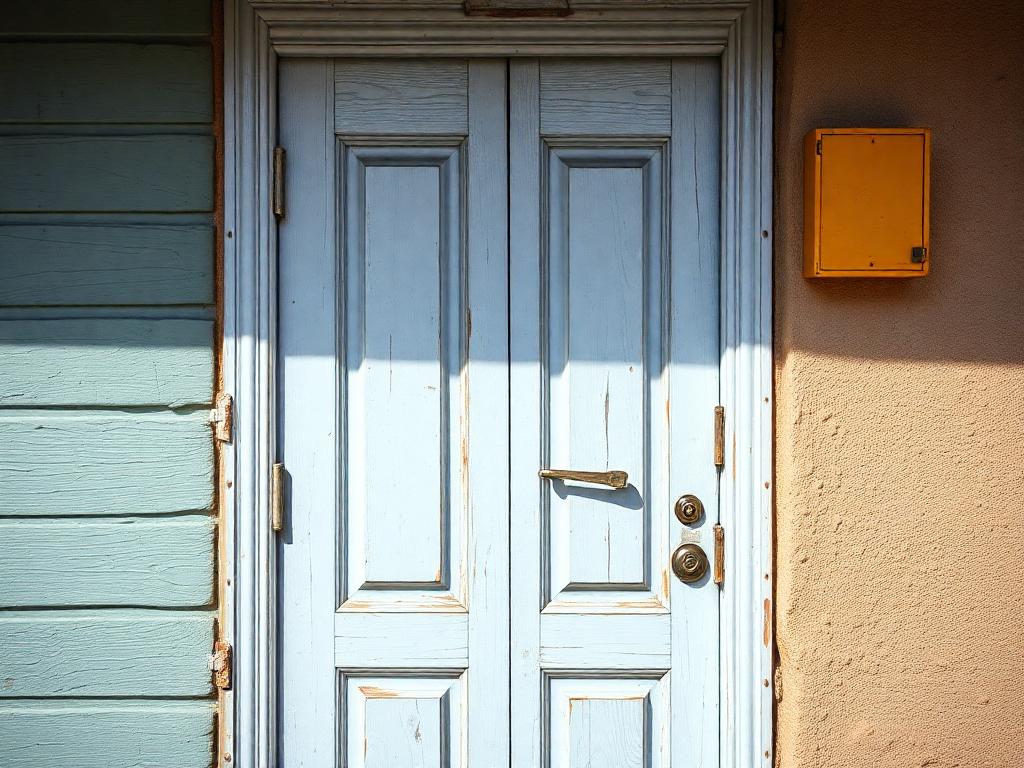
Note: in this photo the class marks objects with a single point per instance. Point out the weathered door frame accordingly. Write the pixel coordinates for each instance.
(257, 32)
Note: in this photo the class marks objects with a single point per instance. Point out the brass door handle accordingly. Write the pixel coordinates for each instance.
(613, 479)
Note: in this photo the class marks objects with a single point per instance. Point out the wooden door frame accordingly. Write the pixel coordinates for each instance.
(257, 32)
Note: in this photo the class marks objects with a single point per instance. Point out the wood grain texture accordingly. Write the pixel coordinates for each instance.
(105, 653)
(106, 362)
(383, 640)
(105, 83)
(103, 264)
(106, 18)
(104, 463)
(40, 734)
(614, 97)
(106, 173)
(116, 562)
(400, 97)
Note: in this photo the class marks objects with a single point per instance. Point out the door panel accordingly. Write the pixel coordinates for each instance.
(403, 518)
(602, 330)
(614, 366)
(394, 414)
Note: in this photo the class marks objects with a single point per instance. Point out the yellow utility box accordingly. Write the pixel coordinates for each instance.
(866, 202)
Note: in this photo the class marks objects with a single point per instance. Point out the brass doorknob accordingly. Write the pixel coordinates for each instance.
(689, 563)
(689, 509)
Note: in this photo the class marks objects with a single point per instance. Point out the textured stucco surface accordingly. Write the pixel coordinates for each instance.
(900, 406)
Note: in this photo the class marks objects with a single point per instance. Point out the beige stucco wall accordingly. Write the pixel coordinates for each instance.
(900, 405)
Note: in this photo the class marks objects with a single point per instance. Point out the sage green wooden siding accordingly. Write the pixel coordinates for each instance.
(107, 339)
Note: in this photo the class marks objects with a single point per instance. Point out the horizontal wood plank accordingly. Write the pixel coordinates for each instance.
(106, 18)
(401, 639)
(50, 264)
(106, 173)
(401, 96)
(105, 653)
(106, 362)
(105, 83)
(160, 563)
(597, 98)
(79, 463)
(144, 734)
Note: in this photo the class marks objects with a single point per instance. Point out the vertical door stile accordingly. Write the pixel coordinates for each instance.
(308, 382)
(526, 381)
(487, 397)
(694, 392)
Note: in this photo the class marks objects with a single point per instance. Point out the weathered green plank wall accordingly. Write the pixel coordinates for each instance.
(107, 527)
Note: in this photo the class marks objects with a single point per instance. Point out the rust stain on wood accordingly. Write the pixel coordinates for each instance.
(376, 692)
(767, 622)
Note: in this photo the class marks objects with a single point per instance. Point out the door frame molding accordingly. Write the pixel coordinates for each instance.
(257, 32)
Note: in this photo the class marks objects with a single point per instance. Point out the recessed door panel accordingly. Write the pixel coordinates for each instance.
(403, 721)
(604, 272)
(402, 410)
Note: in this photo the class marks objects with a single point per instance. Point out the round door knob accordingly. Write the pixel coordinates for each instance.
(689, 509)
(689, 563)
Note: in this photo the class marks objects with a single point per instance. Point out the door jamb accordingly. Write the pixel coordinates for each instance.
(256, 33)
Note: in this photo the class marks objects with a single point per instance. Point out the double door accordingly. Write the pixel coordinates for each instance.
(495, 276)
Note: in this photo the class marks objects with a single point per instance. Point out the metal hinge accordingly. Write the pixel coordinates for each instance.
(719, 553)
(277, 193)
(277, 498)
(719, 436)
(817, 147)
(220, 417)
(220, 664)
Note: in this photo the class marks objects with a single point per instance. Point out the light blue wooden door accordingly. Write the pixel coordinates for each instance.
(393, 369)
(614, 366)
(440, 603)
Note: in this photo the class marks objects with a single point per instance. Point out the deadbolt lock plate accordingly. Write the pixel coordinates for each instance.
(689, 563)
(689, 509)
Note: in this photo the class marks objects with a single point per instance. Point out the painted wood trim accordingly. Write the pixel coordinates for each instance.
(81, 653)
(153, 173)
(71, 83)
(106, 264)
(104, 463)
(159, 563)
(738, 31)
(103, 362)
(106, 734)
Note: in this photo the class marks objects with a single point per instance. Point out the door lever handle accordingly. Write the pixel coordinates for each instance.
(613, 479)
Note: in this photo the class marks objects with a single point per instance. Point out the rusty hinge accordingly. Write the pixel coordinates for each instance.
(719, 553)
(220, 417)
(277, 498)
(220, 664)
(719, 436)
(277, 193)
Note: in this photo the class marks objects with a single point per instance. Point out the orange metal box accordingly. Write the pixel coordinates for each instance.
(866, 202)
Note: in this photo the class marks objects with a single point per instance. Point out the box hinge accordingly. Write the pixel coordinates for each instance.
(277, 193)
(719, 436)
(220, 664)
(277, 498)
(220, 417)
(719, 553)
